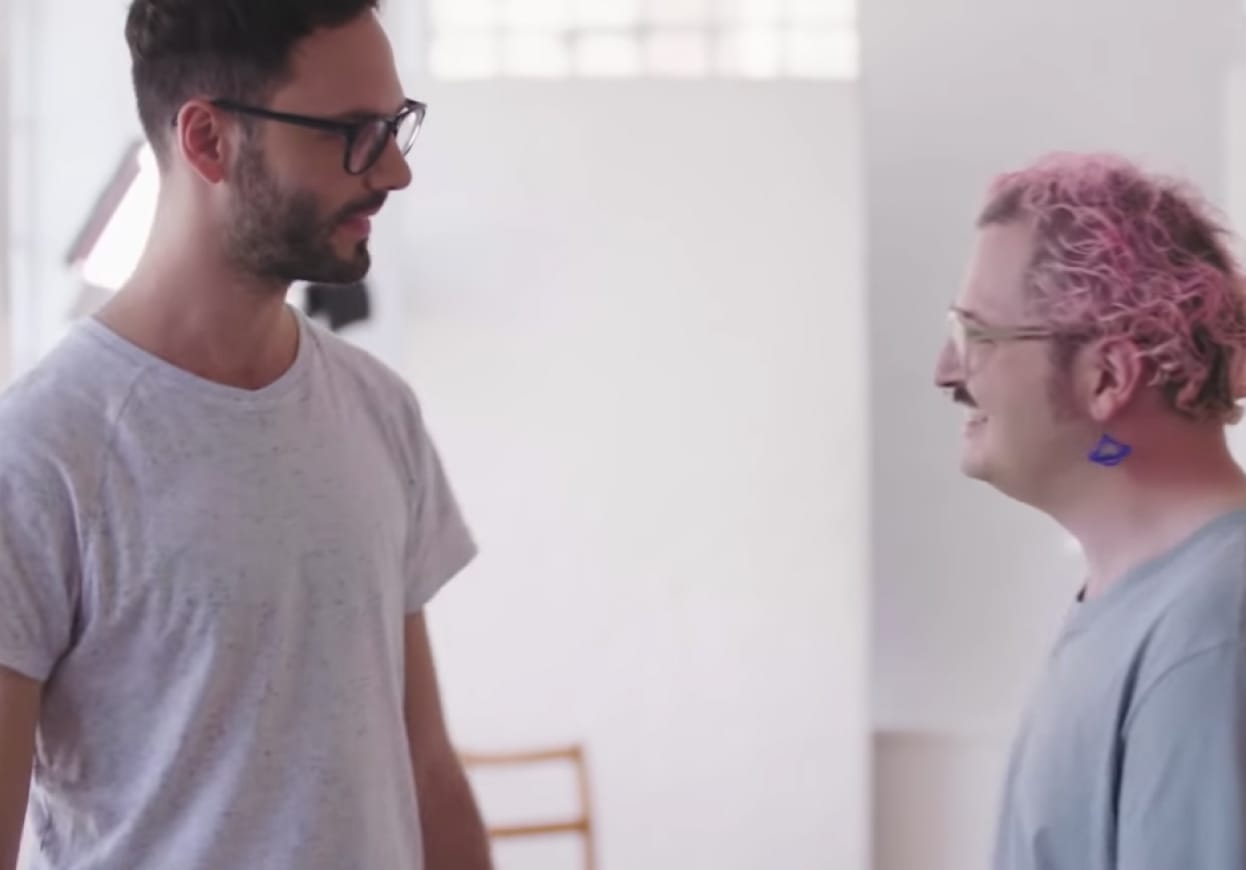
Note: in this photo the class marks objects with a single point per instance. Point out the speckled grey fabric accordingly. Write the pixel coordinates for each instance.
(213, 582)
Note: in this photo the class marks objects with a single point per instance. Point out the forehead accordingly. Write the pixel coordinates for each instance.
(343, 69)
(995, 281)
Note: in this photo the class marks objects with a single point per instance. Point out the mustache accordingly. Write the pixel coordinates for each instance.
(961, 396)
(371, 204)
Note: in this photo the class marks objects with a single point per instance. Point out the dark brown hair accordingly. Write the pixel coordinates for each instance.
(232, 49)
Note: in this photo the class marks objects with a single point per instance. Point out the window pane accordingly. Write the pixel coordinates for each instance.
(696, 13)
(536, 54)
(821, 12)
(464, 56)
(754, 52)
(663, 38)
(751, 11)
(827, 54)
(117, 250)
(606, 55)
(682, 53)
(605, 13)
(453, 14)
(544, 15)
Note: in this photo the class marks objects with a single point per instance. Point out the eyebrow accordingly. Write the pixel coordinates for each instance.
(969, 314)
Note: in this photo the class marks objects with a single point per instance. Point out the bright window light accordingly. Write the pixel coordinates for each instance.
(679, 13)
(678, 54)
(771, 12)
(535, 53)
(111, 259)
(607, 55)
(538, 15)
(480, 39)
(596, 14)
(466, 54)
(821, 12)
(116, 231)
(752, 52)
(830, 54)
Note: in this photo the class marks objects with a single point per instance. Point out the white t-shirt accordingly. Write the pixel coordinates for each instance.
(212, 583)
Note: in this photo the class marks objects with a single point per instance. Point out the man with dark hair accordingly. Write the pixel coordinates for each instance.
(220, 524)
(1098, 346)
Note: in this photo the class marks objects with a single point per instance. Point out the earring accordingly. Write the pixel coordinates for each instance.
(1109, 452)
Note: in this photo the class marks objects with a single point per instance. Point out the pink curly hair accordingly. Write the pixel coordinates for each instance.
(1122, 253)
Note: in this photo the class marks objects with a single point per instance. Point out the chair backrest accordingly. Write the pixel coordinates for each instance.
(578, 824)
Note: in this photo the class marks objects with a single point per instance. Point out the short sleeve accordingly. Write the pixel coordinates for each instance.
(1183, 780)
(440, 543)
(38, 566)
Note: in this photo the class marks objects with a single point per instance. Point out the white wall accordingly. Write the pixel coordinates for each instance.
(968, 587)
(637, 326)
(77, 114)
(5, 122)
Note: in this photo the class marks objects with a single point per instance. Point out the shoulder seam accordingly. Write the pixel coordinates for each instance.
(1164, 675)
(106, 451)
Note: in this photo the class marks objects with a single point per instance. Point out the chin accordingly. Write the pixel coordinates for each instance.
(975, 459)
(340, 271)
(977, 464)
(357, 266)
(1010, 482)
(975, 469)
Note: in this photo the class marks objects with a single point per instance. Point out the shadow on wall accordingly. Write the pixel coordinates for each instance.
(935, 799)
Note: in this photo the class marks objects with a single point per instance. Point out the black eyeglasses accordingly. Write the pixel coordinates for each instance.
(365, 139)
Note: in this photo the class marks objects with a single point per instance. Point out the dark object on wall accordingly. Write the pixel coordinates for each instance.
(343, 304)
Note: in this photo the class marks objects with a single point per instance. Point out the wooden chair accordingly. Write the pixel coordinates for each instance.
(580, 824)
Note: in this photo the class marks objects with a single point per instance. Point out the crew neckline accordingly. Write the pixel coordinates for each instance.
(1085, 612)
(199, 386)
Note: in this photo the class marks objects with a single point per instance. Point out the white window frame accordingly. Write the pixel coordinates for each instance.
(714, 27)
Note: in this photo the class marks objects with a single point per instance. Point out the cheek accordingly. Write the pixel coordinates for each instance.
(313, 172)
(1018, 407)
(1029, 418)
(305, 153)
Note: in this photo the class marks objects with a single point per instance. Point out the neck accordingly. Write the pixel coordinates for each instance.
(1130, 514)
(188, 306)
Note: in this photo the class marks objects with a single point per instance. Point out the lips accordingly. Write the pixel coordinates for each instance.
(359, 223)
(360, 219)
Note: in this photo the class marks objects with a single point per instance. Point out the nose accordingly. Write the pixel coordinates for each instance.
(948, 369)
(391, 170)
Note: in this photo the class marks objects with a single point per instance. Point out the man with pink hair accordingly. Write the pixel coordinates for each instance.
(1097, 346)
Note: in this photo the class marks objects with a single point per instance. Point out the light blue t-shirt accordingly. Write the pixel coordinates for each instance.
(1132, 755)
(212, 583)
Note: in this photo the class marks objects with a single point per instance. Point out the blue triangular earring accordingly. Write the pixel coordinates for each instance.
(1109, 452)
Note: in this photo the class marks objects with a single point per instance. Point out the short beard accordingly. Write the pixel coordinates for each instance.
(279, 236)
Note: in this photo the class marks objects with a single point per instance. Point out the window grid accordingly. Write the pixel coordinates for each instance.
(797, 39)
